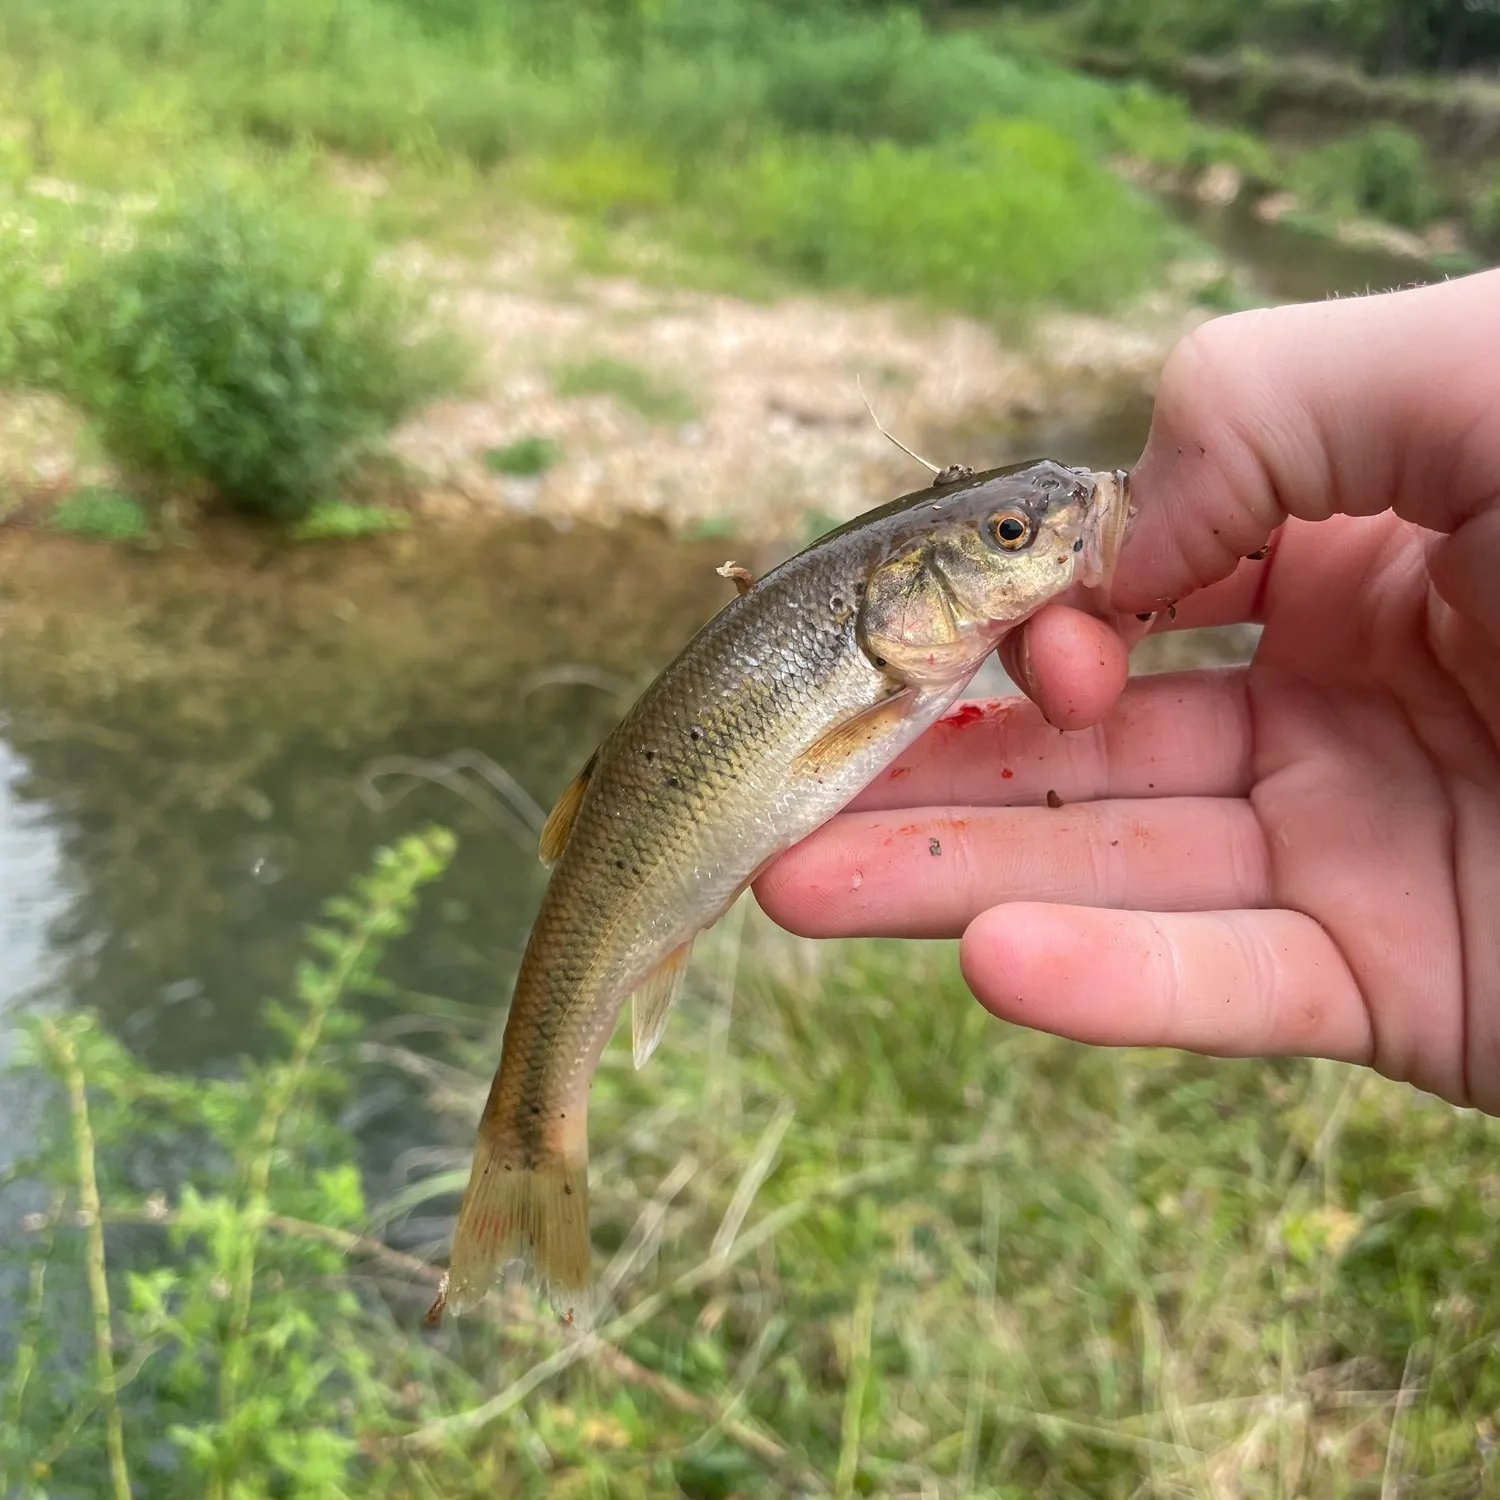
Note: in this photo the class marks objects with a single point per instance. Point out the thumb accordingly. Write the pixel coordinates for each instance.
(1352, 406)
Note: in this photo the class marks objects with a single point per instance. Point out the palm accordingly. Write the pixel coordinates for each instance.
(1329, 810)
(1368, 756)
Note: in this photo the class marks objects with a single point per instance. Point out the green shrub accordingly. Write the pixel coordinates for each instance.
(1159, 128)
(1382, 172)
(1155, 26)
(41, 243)
(523, 458)
(1393, 176)
(1483, 215)
(1012, 215)
(883, 78)
(1323, 177)
(245, 346)
(233, 1354)
(104, 514)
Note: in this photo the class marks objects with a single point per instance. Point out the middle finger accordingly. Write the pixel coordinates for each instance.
(929, 872)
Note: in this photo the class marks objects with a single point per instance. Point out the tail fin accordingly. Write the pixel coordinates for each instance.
(532, 1206)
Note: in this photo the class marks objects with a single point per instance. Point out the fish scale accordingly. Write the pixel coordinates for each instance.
(773, 717)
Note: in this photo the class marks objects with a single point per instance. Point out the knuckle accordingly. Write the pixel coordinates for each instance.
(1206, 368)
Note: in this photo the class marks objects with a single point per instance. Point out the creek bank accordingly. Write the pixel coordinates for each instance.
(714, 413)
(1457, 117)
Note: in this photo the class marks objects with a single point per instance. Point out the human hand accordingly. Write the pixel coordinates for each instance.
(1298, 857)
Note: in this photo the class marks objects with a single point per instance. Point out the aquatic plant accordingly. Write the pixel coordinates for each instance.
(226, 1358)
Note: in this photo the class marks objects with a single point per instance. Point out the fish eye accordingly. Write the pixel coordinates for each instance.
(1012, 529)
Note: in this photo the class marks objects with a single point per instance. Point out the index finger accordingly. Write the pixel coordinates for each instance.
(1353, 406)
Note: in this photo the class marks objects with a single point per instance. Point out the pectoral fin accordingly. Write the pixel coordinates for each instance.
(846, 740)
(651, 1003)
(559, 822)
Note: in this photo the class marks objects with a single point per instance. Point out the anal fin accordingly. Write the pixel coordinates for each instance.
(845, 740)
(652, 1002)
(559, 822)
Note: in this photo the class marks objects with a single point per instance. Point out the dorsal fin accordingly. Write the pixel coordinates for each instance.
(559, 822)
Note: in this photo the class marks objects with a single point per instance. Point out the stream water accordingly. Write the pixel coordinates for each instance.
(183, 735)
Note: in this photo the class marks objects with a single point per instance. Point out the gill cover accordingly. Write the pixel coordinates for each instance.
(909, 624)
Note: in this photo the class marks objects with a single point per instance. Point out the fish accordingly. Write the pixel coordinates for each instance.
(772, 718)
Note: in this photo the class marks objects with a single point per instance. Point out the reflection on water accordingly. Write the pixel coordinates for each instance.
(32, 895)
(190, 730)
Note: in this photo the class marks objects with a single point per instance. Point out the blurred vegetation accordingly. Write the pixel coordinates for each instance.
(888, 1248)
(104, 514)
(1379, 35)
(835, 145)
(206, 206)
(1484, 216)
(1381, 173)
(628, 384)
(219, 338)
(712, 120)
(1352, 105)
(524, 458)
(329, 520)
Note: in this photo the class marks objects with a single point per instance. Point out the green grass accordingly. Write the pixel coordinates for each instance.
(1008, 217)
(655, 399)
(102, 514)
(525, 458)
(710, 123)
(184, 169)
(343, 519)
(1382, 173)
(859, 1237)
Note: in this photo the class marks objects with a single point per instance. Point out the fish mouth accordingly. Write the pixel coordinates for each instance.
(1104, 524)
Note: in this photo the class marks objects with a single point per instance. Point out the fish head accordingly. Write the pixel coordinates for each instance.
(978, 561)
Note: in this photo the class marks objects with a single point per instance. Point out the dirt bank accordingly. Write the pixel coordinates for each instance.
(773, 424)
(699, 408)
